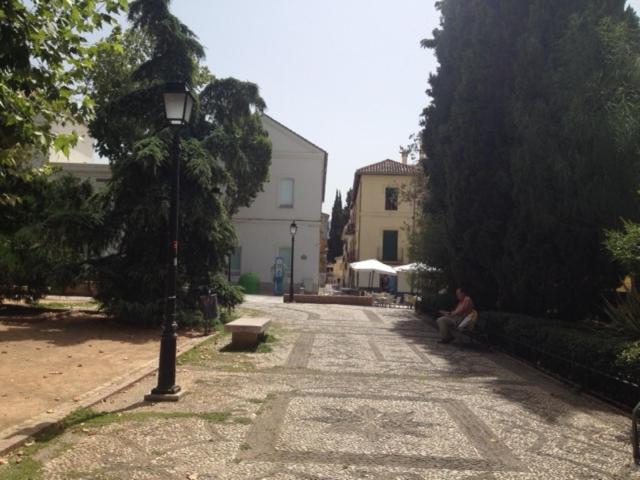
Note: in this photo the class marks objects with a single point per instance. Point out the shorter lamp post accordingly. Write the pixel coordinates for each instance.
(293, 228)
(178, 103)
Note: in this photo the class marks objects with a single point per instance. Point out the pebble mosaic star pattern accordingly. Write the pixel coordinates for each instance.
(352, 393)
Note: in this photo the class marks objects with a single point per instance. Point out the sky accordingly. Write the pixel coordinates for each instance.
(349, 75)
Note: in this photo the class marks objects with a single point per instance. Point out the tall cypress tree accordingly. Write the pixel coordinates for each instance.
(532, 148)
(335, 231)
(574, 164)
(467, 140)
(346, 210)
(224, 148)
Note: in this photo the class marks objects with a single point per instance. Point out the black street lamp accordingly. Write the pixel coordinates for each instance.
(293, 228)
(178, 103)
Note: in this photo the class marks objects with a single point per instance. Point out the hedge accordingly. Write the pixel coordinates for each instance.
(594, 356)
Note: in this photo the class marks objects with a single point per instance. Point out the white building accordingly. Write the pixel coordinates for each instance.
(83, 160)
(294, 191)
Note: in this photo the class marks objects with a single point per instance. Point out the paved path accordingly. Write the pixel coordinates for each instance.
(350, 393)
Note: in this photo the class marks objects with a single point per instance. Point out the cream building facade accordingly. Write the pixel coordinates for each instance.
(294, 191)
(83, 160)
(380, 217)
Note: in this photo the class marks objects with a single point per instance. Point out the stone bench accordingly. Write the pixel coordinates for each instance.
(247, 332)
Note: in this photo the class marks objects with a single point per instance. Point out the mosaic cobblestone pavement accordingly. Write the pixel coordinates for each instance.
(352, 393)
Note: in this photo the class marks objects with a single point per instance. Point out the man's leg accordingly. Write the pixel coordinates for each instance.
(446, 325)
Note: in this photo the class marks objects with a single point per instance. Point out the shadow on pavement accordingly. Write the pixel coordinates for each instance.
(503, 375)
(70, 327)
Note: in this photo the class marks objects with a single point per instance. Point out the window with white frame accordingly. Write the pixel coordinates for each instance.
(285, 193)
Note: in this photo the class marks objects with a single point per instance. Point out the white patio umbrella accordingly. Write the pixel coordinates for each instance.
(372, 266)
(404, 283)
(415, 267)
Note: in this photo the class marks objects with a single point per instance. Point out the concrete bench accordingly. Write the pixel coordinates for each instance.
(246, 332)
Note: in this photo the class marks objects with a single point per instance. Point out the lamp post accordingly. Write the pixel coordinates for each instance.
(178, 103)
(635, 434)
(293, 228)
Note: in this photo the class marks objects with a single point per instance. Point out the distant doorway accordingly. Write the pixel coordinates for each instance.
(390, 246)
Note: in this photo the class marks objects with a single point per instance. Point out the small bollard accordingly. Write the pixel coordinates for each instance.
(635, 434)
(209, 308)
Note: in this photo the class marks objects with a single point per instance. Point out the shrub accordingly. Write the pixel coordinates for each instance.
(249, 282)
(189, 319)
(625, 313)
(135, 313)
(43, 239)
(229, 296)
(570, 350)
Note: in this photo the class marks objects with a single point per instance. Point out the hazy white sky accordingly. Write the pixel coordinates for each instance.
(349, 75)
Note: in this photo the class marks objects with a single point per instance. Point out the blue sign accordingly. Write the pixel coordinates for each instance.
(278, 276)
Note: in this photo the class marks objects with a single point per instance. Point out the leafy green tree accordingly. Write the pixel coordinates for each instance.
(224, 151)
(624, 247)
(43, 242)
(44, 222)
(44, 55)
(338, 220)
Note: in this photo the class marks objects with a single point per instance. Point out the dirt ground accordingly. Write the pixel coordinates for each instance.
(51, 357)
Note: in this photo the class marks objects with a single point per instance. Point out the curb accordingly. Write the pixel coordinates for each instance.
(14, 436)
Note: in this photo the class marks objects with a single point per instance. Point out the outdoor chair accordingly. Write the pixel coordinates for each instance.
(380, 300)
(410, 300)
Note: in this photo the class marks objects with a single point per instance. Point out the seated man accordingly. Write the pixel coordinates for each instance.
(450, 320)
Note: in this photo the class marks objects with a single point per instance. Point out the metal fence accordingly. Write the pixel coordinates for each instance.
(609, 386)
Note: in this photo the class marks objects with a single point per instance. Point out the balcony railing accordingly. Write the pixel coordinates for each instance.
(398, 260)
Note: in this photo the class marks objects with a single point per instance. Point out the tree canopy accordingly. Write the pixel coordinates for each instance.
(224, 151)
(44, 56)
(532, 148)
(44, 221)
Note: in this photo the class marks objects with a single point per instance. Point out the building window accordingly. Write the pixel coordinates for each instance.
(391, 198)
(285, 193)
(390, 246)
(235, 262)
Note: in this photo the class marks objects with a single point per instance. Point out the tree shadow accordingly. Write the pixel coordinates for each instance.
(263, 346)
(497, 373)
(59, 327)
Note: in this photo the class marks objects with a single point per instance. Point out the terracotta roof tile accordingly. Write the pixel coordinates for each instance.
(387, 167)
